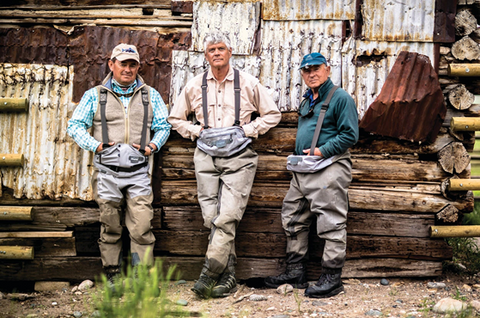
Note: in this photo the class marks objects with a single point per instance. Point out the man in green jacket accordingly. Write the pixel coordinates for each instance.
(321, 194)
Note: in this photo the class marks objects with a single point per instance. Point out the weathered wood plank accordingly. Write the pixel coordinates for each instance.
(44, 247)
(194, 243)
(16, 252)
(76, 269)
(375, 199)
(36, 234)
(268, 220)
(15, 213)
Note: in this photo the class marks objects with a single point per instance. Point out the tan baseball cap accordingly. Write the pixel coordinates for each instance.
(124, 52)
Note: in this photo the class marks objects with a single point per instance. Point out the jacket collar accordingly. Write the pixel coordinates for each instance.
(107, 82)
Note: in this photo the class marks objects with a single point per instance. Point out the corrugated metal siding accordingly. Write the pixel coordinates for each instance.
(308, 9)
(54, 166)
(407, 20)
(283, 46)
(239, 19)
(374, 61)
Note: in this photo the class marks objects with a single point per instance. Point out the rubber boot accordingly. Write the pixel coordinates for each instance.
(204, 285)
(329, 284)
(295, 275)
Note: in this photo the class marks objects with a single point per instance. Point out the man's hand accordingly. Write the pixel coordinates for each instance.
(100, 147)
(148, 151)
(316, 152)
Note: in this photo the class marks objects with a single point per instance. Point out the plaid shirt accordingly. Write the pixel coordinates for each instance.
(82, 118)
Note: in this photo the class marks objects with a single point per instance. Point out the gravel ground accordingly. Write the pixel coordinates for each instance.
(362, 298)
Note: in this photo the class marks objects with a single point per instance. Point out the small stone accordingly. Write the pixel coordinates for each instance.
(182, 302)
(271, 308)
(74, 289)
(475, 304)
(96, 314)
(86, 284)
(50, 286)
(449, 305)
(77, 314)
(373, 312)
(32, 316)
(467, 287)
(318, 303)
(2, 295)
(54, 303)
(256, 297)
(281, 316)
(181, 282)
(284, 289)
(78, 293)
(436, 285)
(399, 301)
(476, 286)
(384, 282)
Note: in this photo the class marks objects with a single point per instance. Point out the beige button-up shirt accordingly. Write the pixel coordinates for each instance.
(221, 106)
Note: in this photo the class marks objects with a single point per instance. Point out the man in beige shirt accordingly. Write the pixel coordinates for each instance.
(223, 183)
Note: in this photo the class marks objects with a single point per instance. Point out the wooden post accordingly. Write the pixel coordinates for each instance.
(465, 123)
(16, 213)
(11, 160)
(464, 69)
(463, 184)
(16, 252)
(455, 231)
(13, 104)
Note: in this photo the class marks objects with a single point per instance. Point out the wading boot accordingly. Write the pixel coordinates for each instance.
(295, 275)
(329, 284)
(112, 273)
(225, 286)
(204, 285)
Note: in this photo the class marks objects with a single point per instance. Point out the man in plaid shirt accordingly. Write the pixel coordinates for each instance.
(122, 112)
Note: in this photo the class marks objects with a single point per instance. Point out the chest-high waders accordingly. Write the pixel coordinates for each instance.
(223, 185)
(123, 191)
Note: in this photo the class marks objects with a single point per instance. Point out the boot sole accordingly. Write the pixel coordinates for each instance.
(234, 289)
(199, 294)
(334, 292)
(298, 286)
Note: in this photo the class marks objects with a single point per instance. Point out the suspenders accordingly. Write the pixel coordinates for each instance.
(321, 116)
(103, 103)
(236, 87)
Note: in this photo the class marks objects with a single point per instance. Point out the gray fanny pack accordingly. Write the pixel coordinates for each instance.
(223, 142)
(121, 160)
(226, 141)
(311, 163)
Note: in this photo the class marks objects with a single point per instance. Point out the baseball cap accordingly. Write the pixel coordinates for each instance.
(124, 52)
(313, 59)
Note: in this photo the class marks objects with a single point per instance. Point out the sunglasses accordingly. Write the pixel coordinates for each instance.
(308, 114)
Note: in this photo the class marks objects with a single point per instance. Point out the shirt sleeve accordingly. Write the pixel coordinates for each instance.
(179, 117)
(269, 117)
(159, 123)
(82, 119)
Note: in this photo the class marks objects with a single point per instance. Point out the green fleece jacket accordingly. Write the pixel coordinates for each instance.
(340, 126)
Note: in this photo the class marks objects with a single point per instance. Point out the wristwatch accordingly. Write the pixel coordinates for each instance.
(151, 149)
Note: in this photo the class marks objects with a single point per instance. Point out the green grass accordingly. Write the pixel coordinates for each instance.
(141, 293)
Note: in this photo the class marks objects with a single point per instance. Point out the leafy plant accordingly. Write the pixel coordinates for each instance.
(458, 295)
(465, 251)
(298, 300)
(141, 293)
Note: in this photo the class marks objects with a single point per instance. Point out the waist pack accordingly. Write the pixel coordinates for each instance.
(120, 159)
(223, 142)
(308, 164)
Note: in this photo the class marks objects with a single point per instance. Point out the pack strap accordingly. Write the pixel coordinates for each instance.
(146, 102)
(236, 87)
(103, 103)
(321, 117)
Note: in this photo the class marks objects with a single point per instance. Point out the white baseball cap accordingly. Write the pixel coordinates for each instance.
(123, 52)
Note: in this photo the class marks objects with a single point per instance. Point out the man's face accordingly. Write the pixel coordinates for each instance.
(314, 76)
(124, 72)
(218, 55)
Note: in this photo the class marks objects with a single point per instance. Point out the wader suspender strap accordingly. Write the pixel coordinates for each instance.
(103, 103)
(236, 87)
(321, 116)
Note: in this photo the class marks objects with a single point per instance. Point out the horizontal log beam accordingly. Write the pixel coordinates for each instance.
(80, 268)
(455, 231)
(13, 104)
(16, 213)
(463, 69)
(36, 234)
(45, 246)
(16, 252)
(463, 184)
(465, 123)
(11, 160)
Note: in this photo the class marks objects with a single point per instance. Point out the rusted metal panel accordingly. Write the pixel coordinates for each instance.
(239, 19)
(411, 104)
(91, 46)
(308, 10)
(284, 43)
(408, 20)
(372, 63)
(33, 45)
(54, 166)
